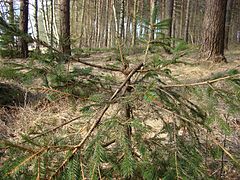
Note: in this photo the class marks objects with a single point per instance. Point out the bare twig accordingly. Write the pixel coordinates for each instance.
(201, 83)
(95, 65)
(55, 128)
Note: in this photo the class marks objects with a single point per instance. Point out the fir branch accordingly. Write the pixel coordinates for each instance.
(18, 146)
(31, 157)
(96, 122)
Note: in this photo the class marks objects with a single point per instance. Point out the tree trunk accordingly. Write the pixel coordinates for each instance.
(214, 30)
(228, 21)
(23, 26)
(134, 28)
(51, 24)
(170, 16)
(36, 24)
(170, 8)
(11, 19)
(187, 21)
(153, 4)
(182, 16)
(121, 24)
(45, 20)
(65, 27)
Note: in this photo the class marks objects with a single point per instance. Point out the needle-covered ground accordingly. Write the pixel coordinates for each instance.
(19, 116)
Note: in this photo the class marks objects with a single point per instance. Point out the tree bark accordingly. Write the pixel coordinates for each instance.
(36, 24)
(11, 20)
(134, 28)
(65, 27)
(170, 16)
(186, 31)
(153, 4)
(214, 30)
(121, 24)
(23, 26)
(228, 21)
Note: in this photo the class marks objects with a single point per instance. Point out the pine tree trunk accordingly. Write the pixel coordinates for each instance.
(11, 19)
(182, 15)
(36, 24)
(65, 27)
(228, 21)
(187, 21)
(134, 28)
(121, 24)
(107, 21)
(170, 16)
(153, 4)
(23, 26)
(214, 30)
(45, 21)
(51, 24)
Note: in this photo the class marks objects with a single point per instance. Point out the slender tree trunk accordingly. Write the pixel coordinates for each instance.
(11, 19)
(186, 31)
(121, 24)
(127, 31)
(99, 23)
(153, 4)
(181, 24)
(36, 24)
(173, 34)
(55, 29)
(45, 20)
(65, 27)
(107, 22)
(23, 26)
(51, 24)
(170, 9)
(170, 16)
(141, 19)
(134, 24)
(214, 30)
(228, 21)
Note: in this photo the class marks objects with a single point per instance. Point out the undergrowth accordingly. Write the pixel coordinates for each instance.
(141, 124)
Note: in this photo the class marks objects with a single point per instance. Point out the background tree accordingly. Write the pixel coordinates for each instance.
(134, 31)
(65, 27)
(228, 21)
(186, 31)
(23, 26)
(121, 23)
(36, 24)
(11, 17)
(214, 30)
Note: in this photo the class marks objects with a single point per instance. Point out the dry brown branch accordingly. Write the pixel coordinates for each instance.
(55, 128)
(201, 83)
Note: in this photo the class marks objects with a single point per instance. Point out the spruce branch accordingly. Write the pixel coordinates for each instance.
(97, 121)
(28, 159)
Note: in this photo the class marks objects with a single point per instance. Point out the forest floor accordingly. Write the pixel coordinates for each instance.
(18, 120)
